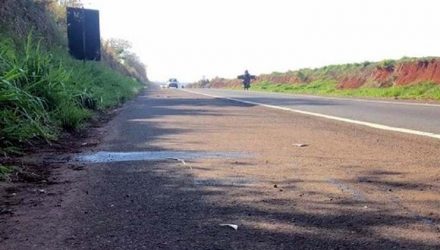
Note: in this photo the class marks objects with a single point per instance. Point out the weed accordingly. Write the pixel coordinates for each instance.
(5, 172)
(387, 65)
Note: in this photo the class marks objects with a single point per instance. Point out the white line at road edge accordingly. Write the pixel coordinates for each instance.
(353, 99)
(362, 123)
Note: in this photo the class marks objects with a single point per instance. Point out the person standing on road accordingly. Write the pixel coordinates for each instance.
(247, 78)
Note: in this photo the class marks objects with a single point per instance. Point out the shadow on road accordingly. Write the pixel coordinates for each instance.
(158, 205)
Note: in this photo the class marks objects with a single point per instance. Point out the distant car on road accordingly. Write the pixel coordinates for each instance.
(173, 83)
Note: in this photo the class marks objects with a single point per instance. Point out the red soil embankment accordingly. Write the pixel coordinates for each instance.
(381, 74)
(418, 72)
(400, 74)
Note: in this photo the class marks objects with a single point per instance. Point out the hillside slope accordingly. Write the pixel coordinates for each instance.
(44, 91)
(420, 76)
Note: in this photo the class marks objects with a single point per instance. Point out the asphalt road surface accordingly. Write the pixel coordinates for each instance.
(420, 117)
(174, 167)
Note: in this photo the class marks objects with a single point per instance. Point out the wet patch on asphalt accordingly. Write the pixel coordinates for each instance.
(109, 157)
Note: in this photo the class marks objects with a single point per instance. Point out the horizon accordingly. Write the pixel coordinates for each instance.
(191, 40)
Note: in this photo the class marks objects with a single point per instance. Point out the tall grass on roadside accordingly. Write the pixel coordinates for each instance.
(43, 92)
(22, 113)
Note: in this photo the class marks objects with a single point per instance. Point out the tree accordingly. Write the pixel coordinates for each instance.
(120, 47)
(120, 50)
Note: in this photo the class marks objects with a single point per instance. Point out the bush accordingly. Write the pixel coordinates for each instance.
(366, 64)
(387, 64)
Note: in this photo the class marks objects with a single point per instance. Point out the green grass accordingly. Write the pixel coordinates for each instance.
(5, 171)
(422, 91)
(44, 91)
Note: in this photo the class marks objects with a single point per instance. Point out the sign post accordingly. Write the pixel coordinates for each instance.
(83, 34)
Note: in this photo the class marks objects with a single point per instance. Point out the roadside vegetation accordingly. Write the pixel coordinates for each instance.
(406, 78)
(422, 91)
(43, 91)
(5, 171)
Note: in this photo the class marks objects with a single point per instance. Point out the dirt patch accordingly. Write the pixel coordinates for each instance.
(351, 82)
(425, 70)
(42, 177)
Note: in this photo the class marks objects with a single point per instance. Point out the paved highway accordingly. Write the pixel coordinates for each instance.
(414, 118)
(173, 168)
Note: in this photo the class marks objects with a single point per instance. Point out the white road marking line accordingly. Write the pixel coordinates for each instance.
(342, 98)
(330, 117)
(352, 99)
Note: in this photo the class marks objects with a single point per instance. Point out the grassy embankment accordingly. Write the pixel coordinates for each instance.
(44, 92)
(422, 91)
(407, 78)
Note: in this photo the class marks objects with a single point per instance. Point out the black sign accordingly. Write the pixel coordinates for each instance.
(83, 34)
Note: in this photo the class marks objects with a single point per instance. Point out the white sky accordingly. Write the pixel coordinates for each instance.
(188, 39)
